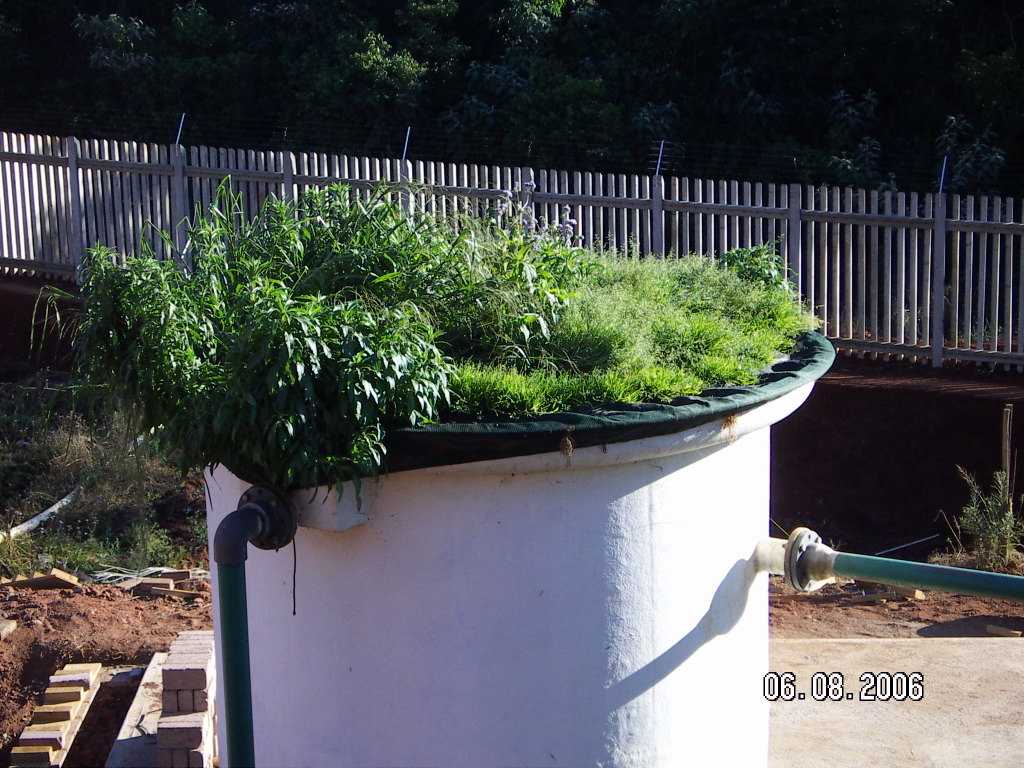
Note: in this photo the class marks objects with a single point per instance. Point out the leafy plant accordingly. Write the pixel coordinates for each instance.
(148, 544)
(300, 337)
(992, 527)
(759, 264)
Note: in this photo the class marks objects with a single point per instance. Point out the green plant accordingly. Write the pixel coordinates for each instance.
(759, 264)
(988, 520)
(299, 337)
(148, 544)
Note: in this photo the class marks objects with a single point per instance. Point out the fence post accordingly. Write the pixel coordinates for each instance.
(526, 199)
(794, 239)
(938, 299)
(658, 216)
(405, 199)
(288, 167)
(75, 194)
(178, 214)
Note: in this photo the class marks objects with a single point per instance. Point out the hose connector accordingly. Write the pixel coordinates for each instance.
(809, 563)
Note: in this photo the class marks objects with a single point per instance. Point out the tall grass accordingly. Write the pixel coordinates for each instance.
(301, 336)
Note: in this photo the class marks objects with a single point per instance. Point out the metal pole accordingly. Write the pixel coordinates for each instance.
(405, 147)
(181, 125)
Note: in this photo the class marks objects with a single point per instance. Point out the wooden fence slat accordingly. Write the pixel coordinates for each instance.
(835, 275)
(823, 276)
(969, 278)
(634, 217)
(901, 271)
(887, 270)
(913, 276)
(995, 296)
(684, 218)
(46, 212)
(1016, 257)
(734, 221)
(722, 241)
(979, 332)
(7, 213)
(848, 263)
(862, 267)
(936, 295)
(709, 219)
(35, 202)
(56, 182)
(954, 271)
(646, 217)
(928, 237)
(748, 220)
(875, 275)
(809, 260)
(1007, 320)
(23, 207)
(47, 205)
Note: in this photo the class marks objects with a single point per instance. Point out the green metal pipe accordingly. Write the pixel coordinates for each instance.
(237, 688)
(904, 573)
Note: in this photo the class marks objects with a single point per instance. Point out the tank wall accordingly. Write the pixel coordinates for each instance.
(607, 616)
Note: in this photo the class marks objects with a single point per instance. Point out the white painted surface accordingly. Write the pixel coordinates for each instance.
(596, 610)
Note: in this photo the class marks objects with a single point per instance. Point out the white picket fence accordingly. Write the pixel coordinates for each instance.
(926, 276)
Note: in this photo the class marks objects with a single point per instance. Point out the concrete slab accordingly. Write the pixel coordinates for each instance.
(135, 746)
(970, 713)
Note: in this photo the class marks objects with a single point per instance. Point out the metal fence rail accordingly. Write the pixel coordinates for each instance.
(922, 275)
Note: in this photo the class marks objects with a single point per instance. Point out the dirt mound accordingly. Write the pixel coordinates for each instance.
(97, 623)
(841, 611)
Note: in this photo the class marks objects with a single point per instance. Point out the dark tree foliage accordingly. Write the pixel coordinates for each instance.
(871, 92)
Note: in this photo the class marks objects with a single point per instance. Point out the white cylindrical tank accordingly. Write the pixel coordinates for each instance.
(600, 608)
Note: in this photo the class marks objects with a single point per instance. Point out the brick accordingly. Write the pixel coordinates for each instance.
(75, 675)
(179, 758)
(165, 758)
(186, 701)
(50, 735)
(187, 672)
(190, 653)
(201, 700)
(184, 731)
(198, 634)
(61, 695)
(169, 702)
(199, 758)
(31, 756)
(54, 713)
(192, 642)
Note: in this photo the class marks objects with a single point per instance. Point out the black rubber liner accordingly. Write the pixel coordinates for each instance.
(441, 444)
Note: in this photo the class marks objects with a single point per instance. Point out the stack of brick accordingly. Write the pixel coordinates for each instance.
(47, 739)
(186, 736)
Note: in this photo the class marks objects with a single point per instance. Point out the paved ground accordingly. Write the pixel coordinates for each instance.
(970, 714)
